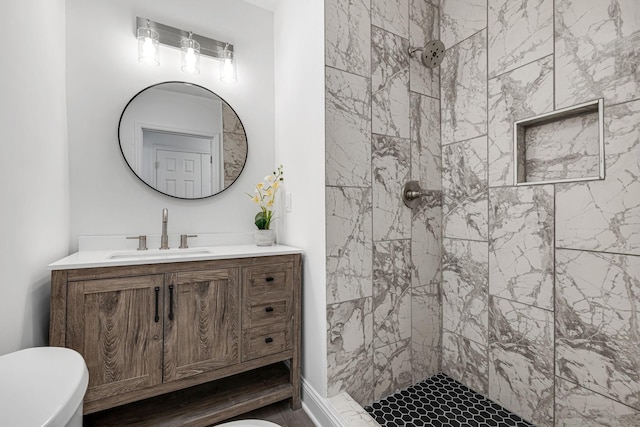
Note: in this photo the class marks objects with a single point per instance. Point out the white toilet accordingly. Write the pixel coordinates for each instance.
(42, 386)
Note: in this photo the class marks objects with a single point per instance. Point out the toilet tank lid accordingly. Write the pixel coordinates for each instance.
(41, 386)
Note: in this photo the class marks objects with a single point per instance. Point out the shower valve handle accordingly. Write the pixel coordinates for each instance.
(411, 193)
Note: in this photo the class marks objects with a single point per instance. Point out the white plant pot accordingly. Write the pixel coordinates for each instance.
(265, 237)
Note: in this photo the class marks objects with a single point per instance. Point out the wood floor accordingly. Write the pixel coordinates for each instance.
(279, 413)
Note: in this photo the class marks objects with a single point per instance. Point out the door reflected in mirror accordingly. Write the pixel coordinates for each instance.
(182, 140)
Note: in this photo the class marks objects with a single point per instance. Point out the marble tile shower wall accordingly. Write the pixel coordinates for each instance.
(383, 259)
(541, 284)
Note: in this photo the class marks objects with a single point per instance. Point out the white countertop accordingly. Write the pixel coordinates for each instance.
(128, 256)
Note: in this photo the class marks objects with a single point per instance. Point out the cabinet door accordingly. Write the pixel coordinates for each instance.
(113, 324)
(202, 312)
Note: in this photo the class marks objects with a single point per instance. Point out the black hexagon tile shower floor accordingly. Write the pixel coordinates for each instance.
(441, 401)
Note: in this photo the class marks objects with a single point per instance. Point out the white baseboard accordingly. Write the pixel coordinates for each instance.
(319, 409)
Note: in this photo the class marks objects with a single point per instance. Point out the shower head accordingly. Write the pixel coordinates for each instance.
(431, 54)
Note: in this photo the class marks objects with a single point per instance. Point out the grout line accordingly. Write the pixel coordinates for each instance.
(488, 208)
(491, 187)
(433, 4)
(399, 239)
(358, 298)
(373, 246)
(608, 105)
(520, 66)
(464, 140)
(521, 303)
(441, 284)
(412, 267)
(359, 187)
(592, 251)
(595, 392)
(464, 240)
(553, 301)
(390, 32)
(553, 17)
(468, 339)
(392, 137)
(347, 72)
(464, 40)
(422, 94)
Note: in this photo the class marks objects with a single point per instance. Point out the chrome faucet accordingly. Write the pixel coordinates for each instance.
(164, 239)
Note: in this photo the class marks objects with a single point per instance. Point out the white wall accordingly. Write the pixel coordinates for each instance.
(299, 70)
(34, 217)
(103, 73)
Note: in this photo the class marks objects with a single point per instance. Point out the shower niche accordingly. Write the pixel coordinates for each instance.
(565, 145)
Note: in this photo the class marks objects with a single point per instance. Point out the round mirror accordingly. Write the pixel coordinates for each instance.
(182, 140)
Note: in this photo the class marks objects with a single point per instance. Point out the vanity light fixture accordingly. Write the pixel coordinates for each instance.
(192, 45)
(228, 67)
(190, 55)
(148, 45)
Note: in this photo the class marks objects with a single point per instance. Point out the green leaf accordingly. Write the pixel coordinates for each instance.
(261, 221)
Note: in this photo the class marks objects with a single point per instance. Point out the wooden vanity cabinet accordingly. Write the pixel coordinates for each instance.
(148, 331)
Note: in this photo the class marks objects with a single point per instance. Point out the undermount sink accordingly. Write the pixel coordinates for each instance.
(160, 254)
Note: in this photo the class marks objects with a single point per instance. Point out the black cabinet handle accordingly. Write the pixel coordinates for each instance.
(157, 291)
(268, 340)
(268, 309)
(269, 279)
(170, 302)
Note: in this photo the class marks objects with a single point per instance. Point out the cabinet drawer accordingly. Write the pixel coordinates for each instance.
(275, 313)
(268, 282)
(259, 342)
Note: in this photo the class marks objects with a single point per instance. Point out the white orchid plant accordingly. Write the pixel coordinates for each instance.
(264, 196)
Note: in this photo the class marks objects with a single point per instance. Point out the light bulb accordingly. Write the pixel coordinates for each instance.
(148, 46)
(190, 55)
(190, 58)
(148, 50)
(228, 68)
